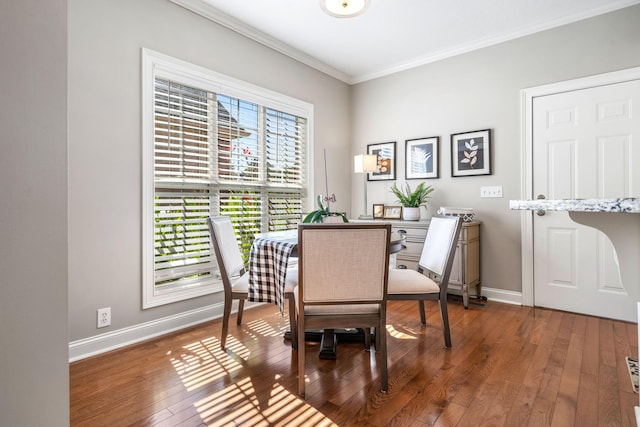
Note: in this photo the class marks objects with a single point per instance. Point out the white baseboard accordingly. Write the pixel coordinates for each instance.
(98, 344)
(501, 295)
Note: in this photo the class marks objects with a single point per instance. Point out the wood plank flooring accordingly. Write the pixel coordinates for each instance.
(509, 366)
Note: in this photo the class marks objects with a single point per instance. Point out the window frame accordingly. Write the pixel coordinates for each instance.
(155, 64)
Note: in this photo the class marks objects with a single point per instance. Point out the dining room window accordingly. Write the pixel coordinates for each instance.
(213, 145)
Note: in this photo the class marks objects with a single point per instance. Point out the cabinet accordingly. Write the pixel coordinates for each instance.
(465, 272)
(414, 232)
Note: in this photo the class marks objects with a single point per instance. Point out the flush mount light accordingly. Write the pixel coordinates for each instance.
(344, 8)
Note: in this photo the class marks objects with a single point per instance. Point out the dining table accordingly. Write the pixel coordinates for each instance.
(272, 253)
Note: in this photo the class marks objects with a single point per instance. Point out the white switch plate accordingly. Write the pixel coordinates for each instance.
(495, 191)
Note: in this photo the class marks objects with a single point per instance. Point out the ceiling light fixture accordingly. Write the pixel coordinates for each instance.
(344, 8)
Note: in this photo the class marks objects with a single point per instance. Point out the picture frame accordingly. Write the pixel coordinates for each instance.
(393, 212)
(386, 153)
(421, 158)
(471, 153)
(378, 211)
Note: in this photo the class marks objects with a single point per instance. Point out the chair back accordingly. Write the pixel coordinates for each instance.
(226, 248)
(440, 246)
(343, 263)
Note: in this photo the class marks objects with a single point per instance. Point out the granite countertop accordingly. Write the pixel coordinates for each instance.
(630, 205)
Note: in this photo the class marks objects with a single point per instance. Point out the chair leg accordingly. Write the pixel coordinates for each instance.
(226, 312)
(367, 338)
(301, 356)
(293, 321)
(423, 316)
(240, 311)
(382, 350)
(444, 314)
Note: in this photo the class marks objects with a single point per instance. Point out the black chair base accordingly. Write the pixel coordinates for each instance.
(328, 346)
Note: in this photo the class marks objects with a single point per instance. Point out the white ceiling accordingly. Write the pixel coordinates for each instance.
(392, 35)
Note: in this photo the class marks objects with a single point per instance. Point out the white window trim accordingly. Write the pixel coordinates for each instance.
(154, 65)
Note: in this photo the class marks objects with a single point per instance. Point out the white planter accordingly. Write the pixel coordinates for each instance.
(332, 219)
(411, 214)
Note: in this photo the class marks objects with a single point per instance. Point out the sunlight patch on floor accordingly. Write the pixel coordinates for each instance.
(203, 362)
(399, 334)
(265, 329)
(239, 404)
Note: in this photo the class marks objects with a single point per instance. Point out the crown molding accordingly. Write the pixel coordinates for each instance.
(202, 8)
(490, 41)
(207, 11)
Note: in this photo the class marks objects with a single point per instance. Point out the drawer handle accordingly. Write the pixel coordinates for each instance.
(403, 238)
(401, 267)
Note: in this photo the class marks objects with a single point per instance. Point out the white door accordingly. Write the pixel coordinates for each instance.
(586, 144)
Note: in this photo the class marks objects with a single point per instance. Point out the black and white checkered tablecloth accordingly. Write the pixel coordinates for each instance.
(268, 266)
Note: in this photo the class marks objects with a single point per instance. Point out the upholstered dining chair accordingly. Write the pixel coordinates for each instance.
(235, 279)
(431, 280)
(342, 283)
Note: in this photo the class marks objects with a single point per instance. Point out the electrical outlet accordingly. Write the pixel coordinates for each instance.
(495, 191)
(104, 317)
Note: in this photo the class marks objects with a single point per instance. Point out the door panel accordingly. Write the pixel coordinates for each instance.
(561, 158)
(583, 147)
(561, 243)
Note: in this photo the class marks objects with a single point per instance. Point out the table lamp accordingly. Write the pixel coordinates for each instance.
(365, 163)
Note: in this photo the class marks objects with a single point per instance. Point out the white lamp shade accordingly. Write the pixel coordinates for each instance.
(344, 8)
(365, 163)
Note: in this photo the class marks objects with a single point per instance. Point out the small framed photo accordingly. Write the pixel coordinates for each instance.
(378, 211)
(393, 212)
(471, 153)
(421, 158)
(386, 153)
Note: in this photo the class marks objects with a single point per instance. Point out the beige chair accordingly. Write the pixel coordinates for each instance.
(236, 280)
(343, 271)
(436, 261)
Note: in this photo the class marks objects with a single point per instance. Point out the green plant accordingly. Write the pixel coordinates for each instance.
(319, 214)
(412, 199)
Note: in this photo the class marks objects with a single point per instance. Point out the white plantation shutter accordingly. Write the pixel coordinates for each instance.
(285, 211)
(284, 153)
(215, 154)
(245, 209)
(183, 133)
(238, 141)
(182, 248)
(182, 160)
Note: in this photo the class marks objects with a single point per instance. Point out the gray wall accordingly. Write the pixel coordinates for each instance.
(473, 91)
(481, 90)
(102, 249)
(34, 379)
(105, 42)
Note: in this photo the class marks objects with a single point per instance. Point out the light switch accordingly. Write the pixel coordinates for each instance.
(490, 192)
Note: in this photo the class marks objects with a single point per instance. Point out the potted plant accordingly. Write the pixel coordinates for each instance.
(412, 200)
(324, 215)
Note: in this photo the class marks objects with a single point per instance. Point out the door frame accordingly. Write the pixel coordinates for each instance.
(526, 166)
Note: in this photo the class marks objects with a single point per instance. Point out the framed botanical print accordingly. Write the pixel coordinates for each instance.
(471, 153)
(386, 153)
(421, 158)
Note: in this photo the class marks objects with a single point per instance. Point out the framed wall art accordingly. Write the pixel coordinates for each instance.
(393, 212)
(471, 153)
(421, 158)
(386, 153)
(378, 211)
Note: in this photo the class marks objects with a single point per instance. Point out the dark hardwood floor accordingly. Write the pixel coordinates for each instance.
(509, 366)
